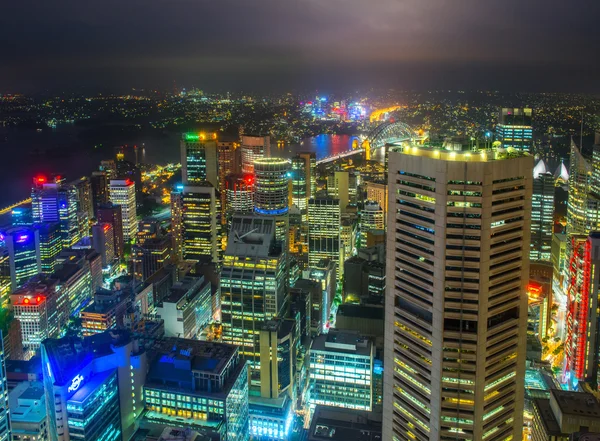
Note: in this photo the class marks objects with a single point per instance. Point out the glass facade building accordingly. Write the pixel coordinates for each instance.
(122, 193)
(324, 219)
(341, 370)
(199, 162)
(23, 245)
(201, 229)
(253, 148)
(542, 213)
(514, 128)
(271, 186)
(50, 245)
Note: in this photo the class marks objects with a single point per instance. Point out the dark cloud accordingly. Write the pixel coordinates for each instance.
(264, 44)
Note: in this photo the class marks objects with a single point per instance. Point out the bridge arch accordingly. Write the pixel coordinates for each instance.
(388, 133)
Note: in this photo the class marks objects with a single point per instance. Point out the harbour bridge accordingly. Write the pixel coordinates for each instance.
(387, 133)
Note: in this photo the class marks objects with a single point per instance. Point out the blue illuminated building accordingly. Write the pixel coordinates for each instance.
(93, 386)
(198, 384)
(514, 128)
(23, 246)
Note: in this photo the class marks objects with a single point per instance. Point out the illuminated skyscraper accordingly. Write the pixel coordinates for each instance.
(99, 184)
(177, 223)
(239, 195)
(199, 161)
(23, 246)
(112, 214)
(338, 187)
(103, 241)
(229, 163)
(456, 309)
(378, 192)
(580, 172)
(299, 185)
(253, 148)
(50, 245)
(83, 192)
(5, 279)
(514, 128)
(122, 193)
(252, 282)
(271, 186)
(310, 173)
(324, 219)
(201, 229)
(542, 213)
(5, 432)
(371, 218)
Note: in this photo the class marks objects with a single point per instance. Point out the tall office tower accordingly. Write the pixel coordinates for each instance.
(228, 153)
(253, 148)
(271, 190)
(371, 218)
(99, 184)
(50, 245)
(348, 233)
(128, 170)
(113, 214)
(23, 245)
(5, 432)
(514, 128)
(210, 375)
(83, 190)
(109, 167)
(338, 187)
(122, 193)
(456, 309)
(271, 186)
(199, 159)
(103, 241)
(581, 342)
(152, 255)
(310, 173)
(94, 386)
(177, 224)
(252, 282)
(324, 219)
(239, 195)
(56, 202)
(378, 192)
(341, 370)
(201, 229)
(300, 188)
(580, 172)
(542, 213)
(5, 280)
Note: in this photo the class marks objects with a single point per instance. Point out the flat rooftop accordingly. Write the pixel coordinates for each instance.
(330, 423)
(349, 342)
(576, 403)
(547, 416)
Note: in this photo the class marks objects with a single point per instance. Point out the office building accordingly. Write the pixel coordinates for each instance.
(542, 213)
(229, 156)
(310, 173)
(239, 195)
(325, 274)
(277, 357)
(28, 412)
(338, 187)
(341, 370)
(300, 188)
(75, 279)
(103, 241)
(23, 245)
(371, 219)
(152, 255)
(323, 230)
(187, 310)
(201, 229)
(271, 186)
(457, 270)
(514, 128)
(198, 384)
(5, 277)
(106, 312)
(122, 193)
(252, 282)
(21, 216)
(314, 291)
(113, 215)
(199, 160)
(99, 184)
(5, 417)
(84, 378)
(84, 196)
(253, 148)
(335, 424)
(127, 170)
(563, 414)
(177, 223)
(50, 245)
(582, 206)
(581, 339)
(378, 191)
(42, 308)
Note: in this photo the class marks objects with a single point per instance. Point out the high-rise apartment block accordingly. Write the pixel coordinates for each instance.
(122, 193)
(456, 309)
(514, 128)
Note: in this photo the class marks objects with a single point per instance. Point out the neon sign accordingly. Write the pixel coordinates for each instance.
(75, 383)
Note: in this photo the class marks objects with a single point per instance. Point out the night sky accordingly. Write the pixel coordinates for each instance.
(276, 45)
